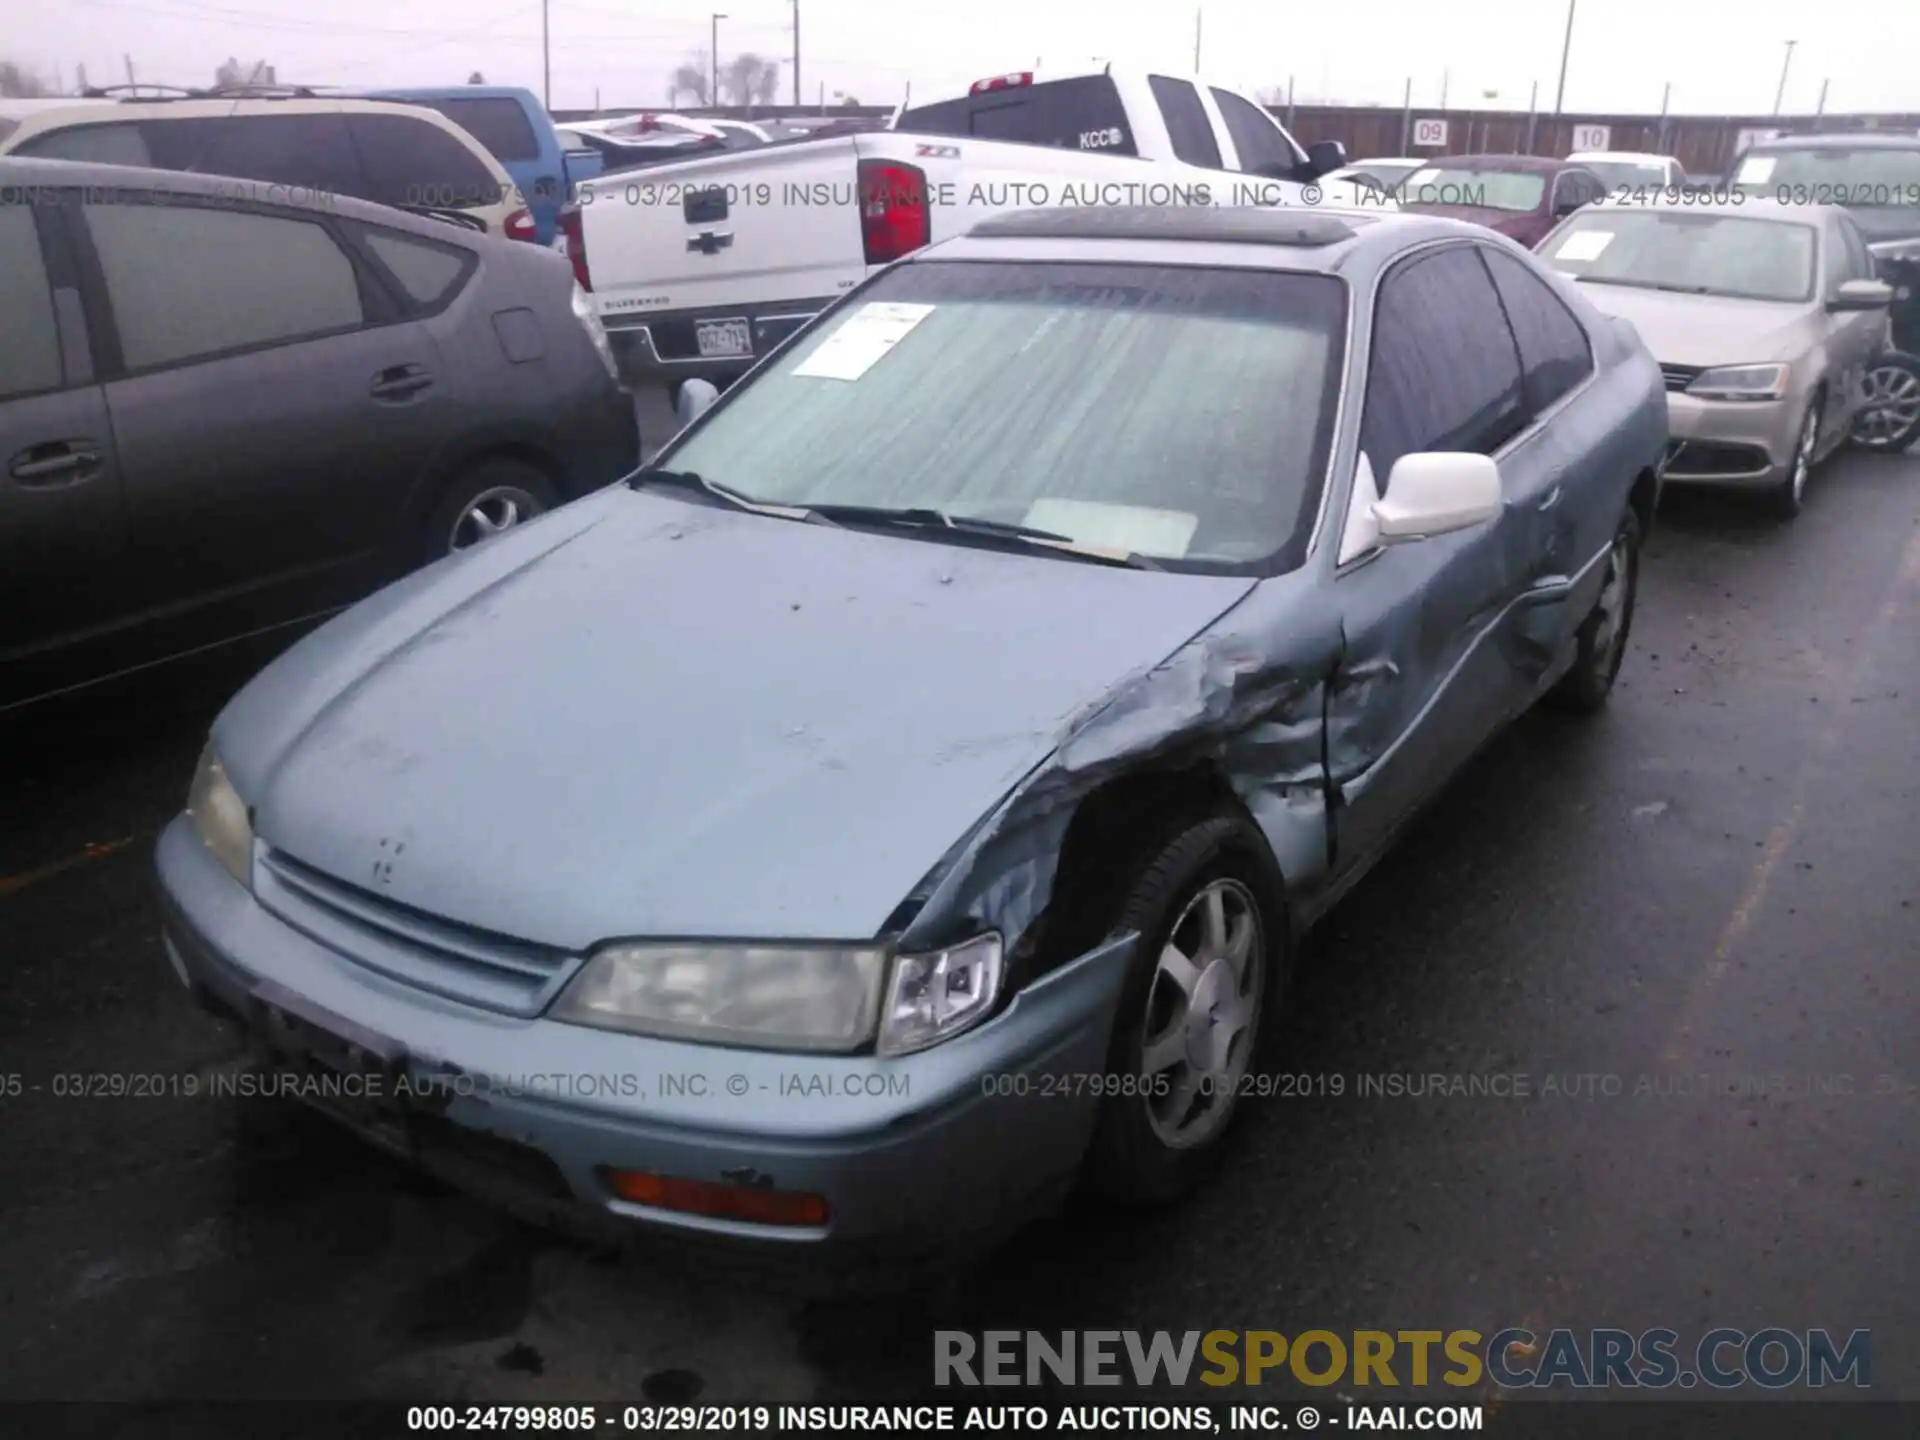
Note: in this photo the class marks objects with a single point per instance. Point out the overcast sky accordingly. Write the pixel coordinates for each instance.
(1721, 56)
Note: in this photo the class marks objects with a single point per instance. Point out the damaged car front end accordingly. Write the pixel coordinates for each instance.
(899, 802)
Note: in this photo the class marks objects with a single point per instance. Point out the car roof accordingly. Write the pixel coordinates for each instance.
(1522, 164)
(1327, 240)
(448, 92)
(25, 174)
(1581, 155)
(1753, 207)
(1839, 140)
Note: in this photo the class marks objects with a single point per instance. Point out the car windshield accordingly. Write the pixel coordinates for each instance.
(1517, 190)
(1881, 175)
(1177, 413)
(1737, 256)
(1621, 174)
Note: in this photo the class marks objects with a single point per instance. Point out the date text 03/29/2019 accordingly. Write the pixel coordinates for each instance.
(936, 1419)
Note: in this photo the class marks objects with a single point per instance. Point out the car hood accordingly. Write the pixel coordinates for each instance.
(642, 716)
(1703, 330)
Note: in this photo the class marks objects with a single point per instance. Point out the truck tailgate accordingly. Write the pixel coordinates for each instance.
(749, 228)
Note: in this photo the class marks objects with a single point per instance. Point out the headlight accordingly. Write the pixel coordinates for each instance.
(220, 817)
(770, 997)
(933, 997)
(584, 312)
(1741, 382)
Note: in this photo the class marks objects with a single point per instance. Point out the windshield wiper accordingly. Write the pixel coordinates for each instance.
(699, 484)
(1643, 284)
(447, 213)
(927, 518)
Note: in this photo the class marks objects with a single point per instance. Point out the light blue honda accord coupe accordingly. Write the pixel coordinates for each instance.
(902, 800)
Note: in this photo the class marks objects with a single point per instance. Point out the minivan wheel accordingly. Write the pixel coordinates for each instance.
(1189, 1015)
(486, 500)
(1889, 418)
(1601, 642)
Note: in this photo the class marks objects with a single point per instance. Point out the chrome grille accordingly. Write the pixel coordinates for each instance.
(495, 972)
(1678, 377)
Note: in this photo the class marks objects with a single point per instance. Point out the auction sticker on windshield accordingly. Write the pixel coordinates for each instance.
(1755, 170)
(1584, 245)
(856, 347)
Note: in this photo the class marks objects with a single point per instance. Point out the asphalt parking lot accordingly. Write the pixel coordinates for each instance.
(1692, 926)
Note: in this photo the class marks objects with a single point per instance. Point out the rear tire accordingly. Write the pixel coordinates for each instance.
(1210, 960)
(1601, 643)
(485, 500)
(1891, 422)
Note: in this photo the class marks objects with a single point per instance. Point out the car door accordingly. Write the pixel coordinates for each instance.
(61, 524)
(1558, 489)
(1424, 679)
(273, 403)
(1868, 333)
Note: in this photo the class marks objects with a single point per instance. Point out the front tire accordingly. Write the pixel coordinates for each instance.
(1601, 643)
(1789, 496)
(1210, 957)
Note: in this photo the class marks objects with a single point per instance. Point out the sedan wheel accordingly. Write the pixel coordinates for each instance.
(1601, 643)
(1188, 1020)
(1889, 417)
(1792, 491)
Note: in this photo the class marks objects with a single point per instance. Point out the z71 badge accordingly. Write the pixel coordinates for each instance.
(937, 152)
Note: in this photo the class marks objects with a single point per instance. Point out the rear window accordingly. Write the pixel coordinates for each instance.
(1080, 114)
(1177, 412)
(410, 162)
(496, 122)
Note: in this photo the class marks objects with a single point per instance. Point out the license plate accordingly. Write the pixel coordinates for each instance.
(333, 1065)
(722, 339)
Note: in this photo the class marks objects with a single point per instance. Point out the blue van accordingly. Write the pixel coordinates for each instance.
(515, 126)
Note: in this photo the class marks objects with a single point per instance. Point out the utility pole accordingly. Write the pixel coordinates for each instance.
(1785, 65)
(130, 80)
(1443, 88)
(546, 60)
(1566, 49)
(1821, 108)
(796, 54)
(1196, 40)
(713, 55)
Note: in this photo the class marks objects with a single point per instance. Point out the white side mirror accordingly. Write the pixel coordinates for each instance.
(696, 398)
(1437, 493)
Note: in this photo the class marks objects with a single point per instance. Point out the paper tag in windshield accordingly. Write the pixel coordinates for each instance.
(866, 335)
(1122, 529)
(1755, 170)
(1584, 245)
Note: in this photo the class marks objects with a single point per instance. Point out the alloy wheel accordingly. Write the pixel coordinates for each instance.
(491, 513)
(1890, 405)
(1803, 453)
(1203, 1009)
(1616, 593)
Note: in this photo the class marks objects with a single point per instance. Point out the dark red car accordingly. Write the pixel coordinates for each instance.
(1521, 196)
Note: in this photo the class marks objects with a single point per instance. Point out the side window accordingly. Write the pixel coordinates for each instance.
(120, 143)
(187, 282)
(305, 151)
(1262, 144)
(1444, 373)
(1554, 347)
(496, 122)
(1084, 113)
(1863, 264)
(429, 272)
(410, 162)
(1187, 123)
(30, 360)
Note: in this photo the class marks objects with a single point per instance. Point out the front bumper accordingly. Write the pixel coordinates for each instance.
(912, 1155)
(1742, 444)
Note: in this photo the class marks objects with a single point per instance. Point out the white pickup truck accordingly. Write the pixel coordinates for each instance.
(699, 267)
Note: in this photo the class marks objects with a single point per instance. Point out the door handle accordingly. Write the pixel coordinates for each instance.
(61, 462)
(1553, 499)
(400, 381)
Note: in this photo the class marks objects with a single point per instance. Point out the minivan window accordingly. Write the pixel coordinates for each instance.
(1079, 114)
(186, 282)
(1176, 412)
(30, 360)
(152, 143)
(410, 162)
(495, 121)
(303, 152)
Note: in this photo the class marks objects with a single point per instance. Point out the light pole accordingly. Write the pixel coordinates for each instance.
(713, 55)
(546, 61)
(796, 54)
(1785, 65)
(1566, 48)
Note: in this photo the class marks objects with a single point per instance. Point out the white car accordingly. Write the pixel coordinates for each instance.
(1387, 172)
(1630, 174)
(701, 266)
